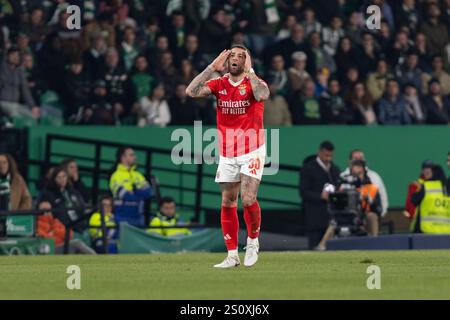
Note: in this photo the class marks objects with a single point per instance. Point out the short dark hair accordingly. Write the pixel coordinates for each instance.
(240, 46)
(12, 50)
(120, 152)
(358, 163)
(164, 200)
(327, 145)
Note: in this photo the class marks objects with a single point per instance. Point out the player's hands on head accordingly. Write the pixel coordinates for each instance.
(248, 62)
(219, 63)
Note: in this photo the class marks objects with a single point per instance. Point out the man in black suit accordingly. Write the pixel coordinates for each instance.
(315, 173)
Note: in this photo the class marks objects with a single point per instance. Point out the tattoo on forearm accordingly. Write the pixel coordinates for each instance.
(199, 81)
(260, 89)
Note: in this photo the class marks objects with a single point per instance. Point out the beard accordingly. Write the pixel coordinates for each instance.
(236, 70)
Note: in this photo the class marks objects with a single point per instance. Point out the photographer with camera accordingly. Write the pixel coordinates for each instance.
(369, 204)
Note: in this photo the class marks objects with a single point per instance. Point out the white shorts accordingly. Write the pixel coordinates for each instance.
(250, 164)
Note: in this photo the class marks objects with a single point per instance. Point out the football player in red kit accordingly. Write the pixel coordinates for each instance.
(240, 94)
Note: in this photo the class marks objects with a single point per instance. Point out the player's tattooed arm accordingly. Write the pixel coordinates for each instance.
(259, 87)
(197, 88)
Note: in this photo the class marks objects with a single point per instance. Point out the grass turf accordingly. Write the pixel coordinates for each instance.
(277, 275)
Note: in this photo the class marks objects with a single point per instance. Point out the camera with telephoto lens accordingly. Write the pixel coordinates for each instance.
(344, 207)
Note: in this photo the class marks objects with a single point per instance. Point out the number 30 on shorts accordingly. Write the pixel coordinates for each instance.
(254, 166)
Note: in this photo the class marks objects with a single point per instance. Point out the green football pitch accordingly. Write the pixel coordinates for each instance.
(277, 275)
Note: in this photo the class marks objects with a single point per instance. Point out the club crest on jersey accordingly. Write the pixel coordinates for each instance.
(242, 89)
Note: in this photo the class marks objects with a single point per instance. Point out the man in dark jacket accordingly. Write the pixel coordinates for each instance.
(314, 174)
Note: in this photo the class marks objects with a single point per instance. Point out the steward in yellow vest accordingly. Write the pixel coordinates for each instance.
(433, 208)
(167, 217)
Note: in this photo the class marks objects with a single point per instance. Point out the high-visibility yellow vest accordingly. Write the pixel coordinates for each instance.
(161, 221)
(96, 221)
(435, 209)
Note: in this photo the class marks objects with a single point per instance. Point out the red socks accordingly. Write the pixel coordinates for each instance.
(252, 217)
(230, 224)
(230, 227)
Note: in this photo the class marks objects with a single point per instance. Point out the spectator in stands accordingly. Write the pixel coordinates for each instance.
(36, 28)
(142, 80)
(320, 58)
(14, 83)
(276, 109)
(14, 194)
(314, 174)
(420, 44)
(154, 109)
(376, 81)
(333, 108)
(71, 167)
(408, 72)
(434, 188)
(129, 188)
(35, 81)
(435, 30)
(182, 108)
(188, 73)
(277, 75)
(370, 203)
(117, 84)
(103, 26)
(216, 32)
(354, 26)
(191, 52)
(350, 79)
(66, 199)
(177, 31)
(286, 27)
(77, 90)
(168, 217)
(425, 174)
(361, 105)
(345, 57)
(332, 35)
(438, 72)
(412, 98)
(105, 207)
(296, 42)
(297, 74)
(374, 177)
(129, 49)
(101, 112)
(406, 14)
(310, 24)
(50, 227)
(392, 108)
(167, 72)
(436, 105)
(367, 54)
(399, 48)
(154, 53)
(304, 106)
(94, 56)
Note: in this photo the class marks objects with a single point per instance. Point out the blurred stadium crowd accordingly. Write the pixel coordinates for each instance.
(132, 59)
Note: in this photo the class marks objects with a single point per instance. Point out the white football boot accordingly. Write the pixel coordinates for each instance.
(231, 261)
(251, 252)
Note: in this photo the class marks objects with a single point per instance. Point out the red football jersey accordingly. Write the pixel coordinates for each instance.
(239, 116)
